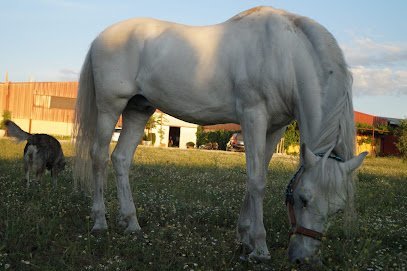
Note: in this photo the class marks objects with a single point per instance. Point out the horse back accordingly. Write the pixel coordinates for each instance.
(260, 55)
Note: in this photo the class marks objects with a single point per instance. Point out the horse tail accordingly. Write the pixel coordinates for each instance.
(84, 125)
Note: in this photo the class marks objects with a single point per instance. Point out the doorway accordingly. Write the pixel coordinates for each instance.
(173, 140)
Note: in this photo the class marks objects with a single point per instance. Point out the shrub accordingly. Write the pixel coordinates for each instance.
(221, 137)
(365, 140)
(190, 145)
(201, 136)
(401, 133)
(6, 116)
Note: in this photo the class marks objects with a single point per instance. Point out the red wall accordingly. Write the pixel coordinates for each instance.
(389, 146)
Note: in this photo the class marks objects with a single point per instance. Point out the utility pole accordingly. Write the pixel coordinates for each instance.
(7, 90)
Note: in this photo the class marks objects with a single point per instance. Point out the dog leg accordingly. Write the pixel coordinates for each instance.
(39, 174)
(54, 173)
(27, 173)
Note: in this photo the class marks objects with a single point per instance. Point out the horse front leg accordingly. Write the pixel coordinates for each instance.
(250, 229)
(133, 129)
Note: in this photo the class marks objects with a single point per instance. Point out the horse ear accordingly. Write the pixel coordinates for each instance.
(355, 162)
(309, 159)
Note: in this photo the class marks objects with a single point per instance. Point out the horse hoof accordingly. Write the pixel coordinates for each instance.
(132, 229)
(243, 258)
(244, 251)
(132, 225)
(99, 227)
(259, 258)
(122, 223)
(97, 231)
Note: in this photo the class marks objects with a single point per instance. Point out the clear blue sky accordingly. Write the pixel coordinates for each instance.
(46, 40)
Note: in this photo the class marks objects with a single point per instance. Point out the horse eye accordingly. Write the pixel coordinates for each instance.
(303, 201)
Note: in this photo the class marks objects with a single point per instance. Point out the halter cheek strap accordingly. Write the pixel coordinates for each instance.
(297, 229)
(289, 201)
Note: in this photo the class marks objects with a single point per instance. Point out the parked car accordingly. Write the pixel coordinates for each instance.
(235, 143)
(116, 134)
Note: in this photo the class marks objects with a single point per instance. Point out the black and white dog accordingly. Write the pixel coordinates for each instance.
(41, 152)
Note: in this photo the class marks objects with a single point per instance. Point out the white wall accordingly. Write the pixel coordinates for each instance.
(45, 127)
(24, 124)
(187, 131)
(187, 134)
(52, 128)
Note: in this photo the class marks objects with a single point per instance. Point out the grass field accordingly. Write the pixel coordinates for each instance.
(188, 204)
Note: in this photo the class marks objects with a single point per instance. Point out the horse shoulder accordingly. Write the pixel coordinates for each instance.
(130, 31)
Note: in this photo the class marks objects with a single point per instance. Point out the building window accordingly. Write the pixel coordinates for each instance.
(42, 101)
(54, 102)
(62, 102)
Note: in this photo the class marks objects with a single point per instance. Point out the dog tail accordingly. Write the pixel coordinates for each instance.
(85, 125)
(14, 131)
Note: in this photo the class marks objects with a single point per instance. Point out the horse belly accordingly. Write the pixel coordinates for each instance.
(186, 100)
(199, 109)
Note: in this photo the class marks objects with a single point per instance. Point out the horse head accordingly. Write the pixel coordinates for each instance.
(322, 187)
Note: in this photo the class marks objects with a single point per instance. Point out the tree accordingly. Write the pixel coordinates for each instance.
(201, 136)
(160, 121)
(6, 116)
(292, 135)
(150, 125)
(401, 133)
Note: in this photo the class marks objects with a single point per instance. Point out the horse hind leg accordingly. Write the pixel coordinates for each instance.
(99, 153)
(134, 121)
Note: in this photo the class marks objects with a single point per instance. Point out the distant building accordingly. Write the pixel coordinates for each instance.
(48, 107)
(40, 107)
(374, 134)
(172, 132)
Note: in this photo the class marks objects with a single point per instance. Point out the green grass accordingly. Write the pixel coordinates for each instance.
(188, 204)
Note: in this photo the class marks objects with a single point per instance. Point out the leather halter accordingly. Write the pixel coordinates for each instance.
(289, 201)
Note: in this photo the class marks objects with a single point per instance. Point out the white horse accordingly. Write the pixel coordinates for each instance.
(262, 69)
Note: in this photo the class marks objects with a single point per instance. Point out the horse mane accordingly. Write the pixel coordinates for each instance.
(256, 11)
(337, 129)
(338, 125)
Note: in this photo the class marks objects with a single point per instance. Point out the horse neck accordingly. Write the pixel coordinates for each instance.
(310, 116)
